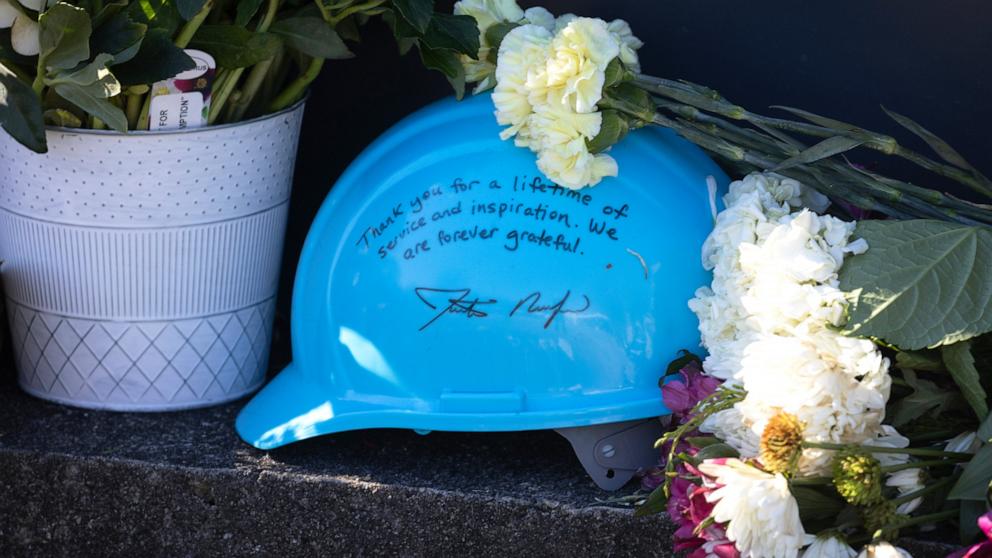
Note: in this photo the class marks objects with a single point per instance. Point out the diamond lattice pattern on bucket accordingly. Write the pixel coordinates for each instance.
(171, 362)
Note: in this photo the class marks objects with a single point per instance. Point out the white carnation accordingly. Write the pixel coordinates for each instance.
(576, 69)
(883, 550)
(628, 44)
(486, 13)
(829, 547)
(560, 136)
(522, 56)
(761, 514)
(540, 16)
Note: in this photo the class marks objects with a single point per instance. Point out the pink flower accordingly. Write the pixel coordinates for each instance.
(689, 508)
(982, 549)
(682, 394)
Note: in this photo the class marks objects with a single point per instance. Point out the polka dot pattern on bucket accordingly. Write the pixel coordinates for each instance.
(152, 179)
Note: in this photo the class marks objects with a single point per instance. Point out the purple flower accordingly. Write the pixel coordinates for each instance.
(982, 549)
(682, 394)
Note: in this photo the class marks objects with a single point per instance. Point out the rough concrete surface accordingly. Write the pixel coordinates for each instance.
(85, 483)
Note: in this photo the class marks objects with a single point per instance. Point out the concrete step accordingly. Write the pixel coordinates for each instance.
(86, 483)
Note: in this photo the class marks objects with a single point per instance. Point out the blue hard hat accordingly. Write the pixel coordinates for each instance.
(446, 284)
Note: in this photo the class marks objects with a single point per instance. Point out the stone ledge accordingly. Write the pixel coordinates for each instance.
(76, 482)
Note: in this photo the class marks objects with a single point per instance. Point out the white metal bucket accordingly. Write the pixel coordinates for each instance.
(140, 270)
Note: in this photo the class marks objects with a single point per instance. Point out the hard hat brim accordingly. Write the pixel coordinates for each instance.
(268, 421)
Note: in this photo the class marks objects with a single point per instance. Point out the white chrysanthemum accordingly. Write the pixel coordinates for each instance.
(907, 481)
(761, 514)
(576, 69)
(829, 547)
(486, 13)
(522, 56)
(730, 427)
(966, 442)
(883, 550)
(767, 323)
(24, 31)
(628, 44)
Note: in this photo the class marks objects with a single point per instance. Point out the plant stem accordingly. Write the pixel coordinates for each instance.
(923, 491)
(270, 15)
(186, 33)
(919, 465)
(295, 90)
(922, 452)
(710, 101)
(39, 76)
(224, 91)
(930, 518)
(252, 84)
(812, 481)
(134, 101)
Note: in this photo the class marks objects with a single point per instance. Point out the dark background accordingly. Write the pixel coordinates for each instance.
(927, 59)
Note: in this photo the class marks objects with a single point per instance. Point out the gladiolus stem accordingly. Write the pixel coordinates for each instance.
(922, 452)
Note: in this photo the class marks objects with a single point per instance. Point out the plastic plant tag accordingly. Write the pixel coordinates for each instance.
(183, 101)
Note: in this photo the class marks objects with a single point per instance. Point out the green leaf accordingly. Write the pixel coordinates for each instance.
(189, 8)
(655, 503)
(20, 112)
(458, 33)
(446, 62)
(245, 11)
(968, 520)
(974, 481)
(92, 98)
(495, 35)
(108, 11)
(118, 36)
(406, 36)
(415, 12)
(926, 397)
(95, 71)
(684, 358)
(312, 36)
(961, 365)
(62, 118)
(819, 120)
(700, 442)
(939, 146)
(716, 451)
(235, 47)
(615, 72)
(985, 429)
(613, 128)
(156, 14)
(157, 59)
(816, 505)
(64, 36)
(826, 148)
(919, 360)
(922, 283)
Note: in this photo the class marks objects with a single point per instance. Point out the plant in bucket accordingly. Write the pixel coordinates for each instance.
(844, 398)
(145, 175)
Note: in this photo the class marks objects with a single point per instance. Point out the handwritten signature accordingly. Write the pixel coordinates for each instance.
(461, 301)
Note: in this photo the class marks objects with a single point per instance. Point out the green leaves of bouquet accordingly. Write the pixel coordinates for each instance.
(442, 39)
(90, 64)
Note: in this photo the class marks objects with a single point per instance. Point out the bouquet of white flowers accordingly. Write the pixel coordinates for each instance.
(844, 398)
